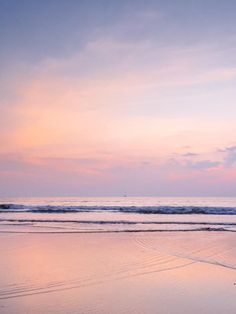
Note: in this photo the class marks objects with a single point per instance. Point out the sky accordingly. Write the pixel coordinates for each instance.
(106, 98)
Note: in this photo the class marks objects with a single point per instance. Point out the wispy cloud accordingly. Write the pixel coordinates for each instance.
(132, 100)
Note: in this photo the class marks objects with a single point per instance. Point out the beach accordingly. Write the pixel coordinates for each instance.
(143, 272)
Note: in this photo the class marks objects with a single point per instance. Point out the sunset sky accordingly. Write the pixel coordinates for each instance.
(107, 97)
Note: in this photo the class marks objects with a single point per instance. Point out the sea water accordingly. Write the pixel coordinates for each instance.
(117, 214)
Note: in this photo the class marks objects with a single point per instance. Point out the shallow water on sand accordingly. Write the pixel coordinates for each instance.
(118, 273)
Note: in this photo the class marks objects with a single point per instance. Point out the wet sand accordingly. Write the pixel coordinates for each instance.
(192, 272)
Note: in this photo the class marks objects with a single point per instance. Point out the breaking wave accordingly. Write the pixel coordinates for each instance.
(178, 210)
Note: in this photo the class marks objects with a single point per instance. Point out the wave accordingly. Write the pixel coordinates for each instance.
(74, 226)
(206, 210)
(203, 229)
(118, 222)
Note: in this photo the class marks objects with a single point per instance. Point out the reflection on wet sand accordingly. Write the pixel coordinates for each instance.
(117, 273)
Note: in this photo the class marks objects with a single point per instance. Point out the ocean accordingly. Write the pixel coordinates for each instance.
(117, 214)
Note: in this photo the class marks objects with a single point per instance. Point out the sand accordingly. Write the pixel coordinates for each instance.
(142, 273)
